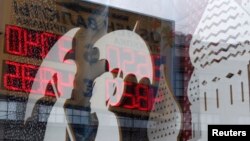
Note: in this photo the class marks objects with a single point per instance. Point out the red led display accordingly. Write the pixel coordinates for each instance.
(135, 96)
(33, 44)
(133, 62)
(156, 66)
(36, 44)
(20, 77)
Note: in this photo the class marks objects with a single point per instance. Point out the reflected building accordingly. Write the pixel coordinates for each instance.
(182, 74)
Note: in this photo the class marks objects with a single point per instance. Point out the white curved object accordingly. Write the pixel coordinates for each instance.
(108, 129)
(165, 118)
(220, 53)
(130, 47)
(123, 50)
(52, 133)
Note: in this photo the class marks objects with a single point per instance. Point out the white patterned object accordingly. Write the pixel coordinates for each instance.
(246, 5)
(165, 117)
(220, 52)
(194, 98)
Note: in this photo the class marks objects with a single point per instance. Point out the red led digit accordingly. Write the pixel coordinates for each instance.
(32, 39)
(29, 43)
(15, 40)
(129, 99)
(20, 77)
(128, 61)
(156, 67)
(28, 75)
(143, 67)
(113, 56)
(11, 78)
(32, 43)
(47, 41)
(142, 97)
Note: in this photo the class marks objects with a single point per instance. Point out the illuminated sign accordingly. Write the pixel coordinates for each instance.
(35, 44)
(138, 96)
(20, 77)
(30, 43)
(129, 60)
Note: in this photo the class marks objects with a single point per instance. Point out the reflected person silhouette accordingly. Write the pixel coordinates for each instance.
(133, 58)
(108, 129)
(53, 133)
